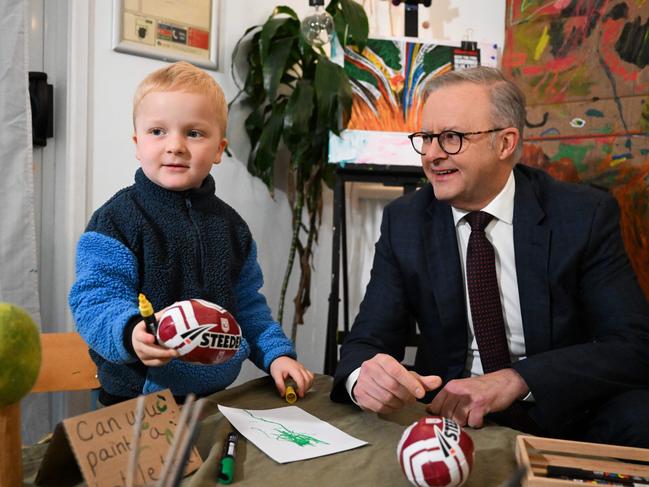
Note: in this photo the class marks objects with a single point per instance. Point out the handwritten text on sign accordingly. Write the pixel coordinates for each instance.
(101, 440)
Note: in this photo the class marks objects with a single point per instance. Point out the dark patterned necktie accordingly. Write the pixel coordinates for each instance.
(484, 297)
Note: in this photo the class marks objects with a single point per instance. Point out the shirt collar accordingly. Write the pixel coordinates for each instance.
(501, 207)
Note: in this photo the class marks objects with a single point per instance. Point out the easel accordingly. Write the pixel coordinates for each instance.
(409, 177)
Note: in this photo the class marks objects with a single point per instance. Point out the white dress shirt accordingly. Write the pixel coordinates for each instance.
(500, 232)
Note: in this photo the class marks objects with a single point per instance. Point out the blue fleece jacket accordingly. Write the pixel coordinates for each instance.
(171, 246)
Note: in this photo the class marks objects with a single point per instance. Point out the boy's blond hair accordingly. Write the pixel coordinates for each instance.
(183, 76)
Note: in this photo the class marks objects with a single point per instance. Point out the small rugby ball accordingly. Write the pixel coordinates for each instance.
(436, 452)
(201, 331)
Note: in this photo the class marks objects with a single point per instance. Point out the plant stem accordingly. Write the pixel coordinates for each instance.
(297, 220)
(303, 296)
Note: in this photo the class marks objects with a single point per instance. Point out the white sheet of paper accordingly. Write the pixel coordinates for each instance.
(289, 434)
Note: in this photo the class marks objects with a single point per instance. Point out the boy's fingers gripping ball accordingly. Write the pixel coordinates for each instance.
(435, 451)
(201, 331)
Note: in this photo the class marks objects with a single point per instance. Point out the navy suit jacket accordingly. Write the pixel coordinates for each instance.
(585, 318)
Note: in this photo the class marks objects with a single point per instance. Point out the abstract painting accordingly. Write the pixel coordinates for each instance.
(583, 67)
(388, 80)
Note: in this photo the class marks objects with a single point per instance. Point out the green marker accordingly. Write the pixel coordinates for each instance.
(226, 464)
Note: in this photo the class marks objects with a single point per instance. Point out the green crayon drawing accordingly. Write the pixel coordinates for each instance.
(282, 433)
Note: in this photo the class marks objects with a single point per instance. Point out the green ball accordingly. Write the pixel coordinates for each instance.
(20, 353)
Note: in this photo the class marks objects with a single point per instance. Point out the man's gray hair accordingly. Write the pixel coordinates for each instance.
(507, 99)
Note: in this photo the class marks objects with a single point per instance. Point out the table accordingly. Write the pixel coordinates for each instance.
(371, 465)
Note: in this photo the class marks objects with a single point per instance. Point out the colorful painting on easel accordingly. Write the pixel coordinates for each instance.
(583, 67)
(388, 79)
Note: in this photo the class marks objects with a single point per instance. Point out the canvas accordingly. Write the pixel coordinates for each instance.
(388, 79)
(583, 67)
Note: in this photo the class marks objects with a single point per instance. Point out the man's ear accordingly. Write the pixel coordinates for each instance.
(219, 153)
(508, 141)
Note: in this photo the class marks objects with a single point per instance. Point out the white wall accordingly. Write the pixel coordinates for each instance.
(114, 77)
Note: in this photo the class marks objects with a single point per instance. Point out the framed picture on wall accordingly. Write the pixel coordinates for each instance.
(171, 30)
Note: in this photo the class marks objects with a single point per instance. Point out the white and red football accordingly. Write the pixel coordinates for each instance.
(436, 452)
(201, 331)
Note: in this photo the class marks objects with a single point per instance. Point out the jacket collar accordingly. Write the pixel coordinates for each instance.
(531, 246)
(198, 196)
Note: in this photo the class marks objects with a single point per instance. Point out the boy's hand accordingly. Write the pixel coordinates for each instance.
(283, 367)
(145, 347)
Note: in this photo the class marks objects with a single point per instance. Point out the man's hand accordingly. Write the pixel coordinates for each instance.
(284, 367)
(468, 401)
(384, 385)
(151, 354)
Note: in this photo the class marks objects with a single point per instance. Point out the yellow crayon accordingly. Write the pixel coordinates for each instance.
(290, 395)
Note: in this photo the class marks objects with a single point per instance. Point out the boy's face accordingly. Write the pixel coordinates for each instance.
(177, 138)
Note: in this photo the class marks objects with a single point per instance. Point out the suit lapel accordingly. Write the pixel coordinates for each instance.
(443, 263)
(532, 247)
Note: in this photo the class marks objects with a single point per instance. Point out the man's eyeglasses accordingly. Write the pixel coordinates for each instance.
(449, 140)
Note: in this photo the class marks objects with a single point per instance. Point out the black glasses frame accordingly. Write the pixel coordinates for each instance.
(433, 135)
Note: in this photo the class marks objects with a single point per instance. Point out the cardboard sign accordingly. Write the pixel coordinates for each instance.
(100, 442)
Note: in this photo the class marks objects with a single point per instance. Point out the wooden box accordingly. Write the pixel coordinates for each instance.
(538, 453)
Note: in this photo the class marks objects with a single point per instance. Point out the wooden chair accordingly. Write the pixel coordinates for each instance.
(65, 366)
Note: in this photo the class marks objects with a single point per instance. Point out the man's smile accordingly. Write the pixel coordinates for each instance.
(443, 172)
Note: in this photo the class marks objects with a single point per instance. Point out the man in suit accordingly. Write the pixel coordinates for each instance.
(568, 316)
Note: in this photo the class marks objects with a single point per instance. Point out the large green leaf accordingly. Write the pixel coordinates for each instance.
(297, 122)
(254, 123)
(350, 21)
(299, 111)
(235, 53)
(276, 64)
(268, 31)
(283, 9)
(357, 20)
(254, 84)
(334, 95)
(262, 156)
(275, 29)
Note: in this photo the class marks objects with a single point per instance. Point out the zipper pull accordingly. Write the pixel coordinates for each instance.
(188, 203)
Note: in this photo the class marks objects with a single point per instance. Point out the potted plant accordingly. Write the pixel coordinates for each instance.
(297, 96)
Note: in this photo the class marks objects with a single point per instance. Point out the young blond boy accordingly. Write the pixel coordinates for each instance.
(168, 236)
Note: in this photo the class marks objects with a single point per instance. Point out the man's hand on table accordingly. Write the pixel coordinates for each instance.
(384, 385)
(468, 401)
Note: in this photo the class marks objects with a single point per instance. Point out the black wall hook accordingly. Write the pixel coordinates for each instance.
(41, 96)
